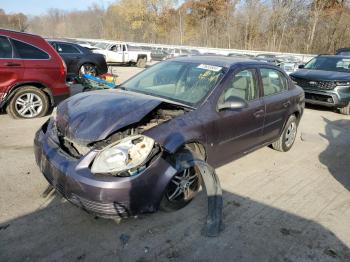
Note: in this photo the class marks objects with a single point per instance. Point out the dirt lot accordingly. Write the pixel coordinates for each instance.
(291, 206)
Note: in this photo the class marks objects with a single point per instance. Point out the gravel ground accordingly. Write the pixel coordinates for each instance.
(291, 206)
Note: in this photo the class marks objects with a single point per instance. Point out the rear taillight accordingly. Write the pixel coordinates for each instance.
(63, 69)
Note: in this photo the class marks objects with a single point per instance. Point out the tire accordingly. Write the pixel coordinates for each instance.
(88, 69)
(141, 62)
(28, 102)
(170, 203)
(345, 110)
(288, 136)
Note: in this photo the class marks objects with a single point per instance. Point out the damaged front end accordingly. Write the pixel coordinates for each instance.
(127, 151)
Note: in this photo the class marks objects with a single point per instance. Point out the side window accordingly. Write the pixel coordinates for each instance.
(243, 85)
(27, 51)
(67, 49)
(5, 48)
(274, 81)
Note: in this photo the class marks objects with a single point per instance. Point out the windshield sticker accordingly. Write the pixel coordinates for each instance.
(210, 67)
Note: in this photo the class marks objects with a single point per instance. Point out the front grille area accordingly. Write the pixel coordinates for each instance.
(310, 84)
(319, 97)
(115, 209)
(56, 184)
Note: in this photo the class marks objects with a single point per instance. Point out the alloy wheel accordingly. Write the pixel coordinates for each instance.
(291, 134)
(183, 185)
(29, 105)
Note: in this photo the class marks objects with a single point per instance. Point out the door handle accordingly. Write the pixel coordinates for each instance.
(12, 64)
(286, 104)
(259, 113)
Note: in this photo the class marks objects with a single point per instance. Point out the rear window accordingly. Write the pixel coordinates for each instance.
(27, 51)
(67, 49)
(5, 48)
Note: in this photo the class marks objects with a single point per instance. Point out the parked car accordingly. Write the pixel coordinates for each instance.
(194, 52)
(137, 158)
(343, 51)
(326, 81)
(80, 60)
(123, 53)
(268, 58)
(289, 63)
(32, 75)
(240, 55)
(159, 55)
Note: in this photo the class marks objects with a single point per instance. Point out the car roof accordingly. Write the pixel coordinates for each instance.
(60, 41)
(337, 56)
(223, 61)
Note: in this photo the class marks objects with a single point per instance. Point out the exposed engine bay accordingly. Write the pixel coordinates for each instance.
(161, 114)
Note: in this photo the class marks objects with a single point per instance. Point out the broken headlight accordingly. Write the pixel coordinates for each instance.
(126, 154)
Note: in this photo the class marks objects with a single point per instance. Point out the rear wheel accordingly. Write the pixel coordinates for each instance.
(88, 69)
(28, 102)
(185, 185)
(288, 136)
(345, 110)
(141, 62)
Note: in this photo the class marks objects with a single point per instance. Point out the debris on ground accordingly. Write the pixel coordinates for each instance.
(124, 239)
(330, 252)
(235, 203)
(173, 254)
(4, 227)
(288, 231)
(81, 257)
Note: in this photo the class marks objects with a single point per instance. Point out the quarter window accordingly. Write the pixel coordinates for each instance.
(67, 49)
(273, 81)
(243, 85)
(5, 48)
(27, 51)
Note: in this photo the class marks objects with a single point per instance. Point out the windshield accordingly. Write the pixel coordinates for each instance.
(344, 53)
(183, 82)
(102, 45)
(337, 64)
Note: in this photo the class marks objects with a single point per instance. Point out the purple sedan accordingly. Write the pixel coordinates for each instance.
(127, 151)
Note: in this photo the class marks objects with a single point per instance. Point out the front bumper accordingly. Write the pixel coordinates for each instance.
(338, 97)
(104, 196)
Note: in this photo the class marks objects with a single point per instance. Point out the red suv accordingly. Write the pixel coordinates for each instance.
(32, 75)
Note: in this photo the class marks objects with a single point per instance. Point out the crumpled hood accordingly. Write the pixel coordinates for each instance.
(321, 75)
(92, 116)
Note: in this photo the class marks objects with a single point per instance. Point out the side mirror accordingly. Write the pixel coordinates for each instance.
(301, 66)
(233, 102)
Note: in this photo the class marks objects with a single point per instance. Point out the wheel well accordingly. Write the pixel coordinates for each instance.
(141, 57)
(197, 147)
(297, 115)
(40, 86)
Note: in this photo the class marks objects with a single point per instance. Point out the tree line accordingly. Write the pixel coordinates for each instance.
(302, 26)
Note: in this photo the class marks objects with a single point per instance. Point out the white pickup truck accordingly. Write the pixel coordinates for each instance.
(122, 53)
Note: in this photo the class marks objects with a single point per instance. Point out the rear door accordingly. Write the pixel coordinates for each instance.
(277, 101)
(37, 64)
(11, 69)
(238, 131)
(71, 55)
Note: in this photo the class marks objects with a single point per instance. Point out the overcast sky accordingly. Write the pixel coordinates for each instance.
(37, 7)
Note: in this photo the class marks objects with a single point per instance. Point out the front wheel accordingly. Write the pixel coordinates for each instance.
(28, 102)
(185, 185)
(288, 136)
(345, 110)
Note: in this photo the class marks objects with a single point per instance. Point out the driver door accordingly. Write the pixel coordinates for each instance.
(239, 130)
(116, 56)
